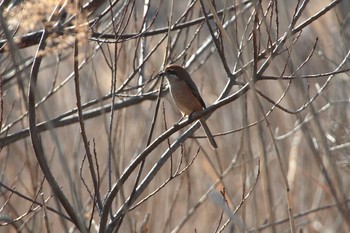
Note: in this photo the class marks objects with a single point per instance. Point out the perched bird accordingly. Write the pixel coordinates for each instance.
(186, 95)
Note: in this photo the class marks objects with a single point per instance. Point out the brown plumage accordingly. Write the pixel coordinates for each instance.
(186, 95)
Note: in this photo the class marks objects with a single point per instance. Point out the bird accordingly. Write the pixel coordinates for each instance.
(186, 95)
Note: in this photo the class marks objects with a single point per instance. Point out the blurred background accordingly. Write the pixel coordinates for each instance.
(283, 130)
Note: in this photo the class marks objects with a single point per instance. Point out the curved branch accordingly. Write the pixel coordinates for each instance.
(36, 143)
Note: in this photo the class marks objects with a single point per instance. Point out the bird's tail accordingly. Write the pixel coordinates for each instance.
(208, 133)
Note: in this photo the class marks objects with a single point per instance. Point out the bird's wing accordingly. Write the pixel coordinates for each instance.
(195, 92)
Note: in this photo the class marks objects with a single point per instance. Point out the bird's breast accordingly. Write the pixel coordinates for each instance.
(184, 98)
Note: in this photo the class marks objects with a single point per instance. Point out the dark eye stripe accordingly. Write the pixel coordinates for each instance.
(171, 72)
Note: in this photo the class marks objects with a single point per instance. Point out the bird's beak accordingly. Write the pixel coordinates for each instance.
(162, 73)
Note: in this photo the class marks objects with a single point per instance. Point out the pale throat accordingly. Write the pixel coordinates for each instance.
(172, 78)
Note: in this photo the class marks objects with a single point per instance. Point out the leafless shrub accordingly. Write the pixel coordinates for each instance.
(89, 137)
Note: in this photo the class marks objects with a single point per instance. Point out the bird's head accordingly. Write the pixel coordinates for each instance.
(174, 71)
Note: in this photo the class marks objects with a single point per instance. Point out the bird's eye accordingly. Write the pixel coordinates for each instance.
(171, 72)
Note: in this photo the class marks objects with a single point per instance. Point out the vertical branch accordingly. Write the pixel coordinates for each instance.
(1, 104)
(82, 125)
(143, 46)
(113, 67)
(81, 118)
(36, 143)
(131, 198)
(332, 177)
(257, 103)
(216, 40)
(16, 57)
(168, 45)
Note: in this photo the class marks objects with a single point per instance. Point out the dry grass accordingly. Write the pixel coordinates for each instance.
(282, 128)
